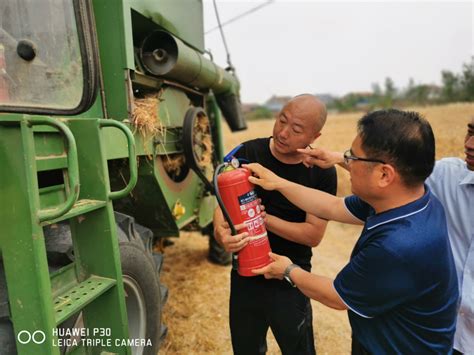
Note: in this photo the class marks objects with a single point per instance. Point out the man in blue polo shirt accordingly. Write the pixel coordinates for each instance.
(400, 286)
(452, 182)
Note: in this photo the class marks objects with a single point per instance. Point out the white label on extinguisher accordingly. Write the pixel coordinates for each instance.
(250, 214)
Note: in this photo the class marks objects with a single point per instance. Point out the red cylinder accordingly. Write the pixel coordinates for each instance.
(241, 202)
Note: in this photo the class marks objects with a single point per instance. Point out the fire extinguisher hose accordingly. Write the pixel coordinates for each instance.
(219, 200)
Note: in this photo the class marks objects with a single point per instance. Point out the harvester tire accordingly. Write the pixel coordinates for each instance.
(144, 295)
(217, 254)
(140, 268)
(7, 337)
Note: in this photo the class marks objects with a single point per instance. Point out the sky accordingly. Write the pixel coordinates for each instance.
(293, 47)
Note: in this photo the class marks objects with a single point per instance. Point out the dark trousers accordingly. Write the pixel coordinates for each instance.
(257, 304)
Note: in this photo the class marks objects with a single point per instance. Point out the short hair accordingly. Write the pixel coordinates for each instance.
(402, 138)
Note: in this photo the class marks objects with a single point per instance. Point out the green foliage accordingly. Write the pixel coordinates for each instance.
(455, 87)
(353, 101)
(458, 87)
(260, 112)
(467, 81)
(390, 92)
(418, 94)
(451, 90)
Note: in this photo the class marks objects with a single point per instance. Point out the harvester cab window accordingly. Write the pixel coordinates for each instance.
(40, 55)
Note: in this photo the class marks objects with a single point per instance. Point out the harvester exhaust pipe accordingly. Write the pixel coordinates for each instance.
(166, 56)
(160, 55)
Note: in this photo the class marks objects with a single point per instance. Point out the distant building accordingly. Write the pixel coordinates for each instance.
(246, 108)
(326, 98)
(276, 103)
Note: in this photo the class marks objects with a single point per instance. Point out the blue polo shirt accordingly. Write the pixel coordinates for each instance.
(400, 285)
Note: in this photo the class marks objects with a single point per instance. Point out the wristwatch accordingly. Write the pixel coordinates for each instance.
(286, 274)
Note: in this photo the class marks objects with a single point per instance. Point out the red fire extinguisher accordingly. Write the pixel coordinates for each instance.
(237, 199)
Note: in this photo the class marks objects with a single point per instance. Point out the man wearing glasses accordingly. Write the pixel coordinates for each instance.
(452, 182)
(400, 286)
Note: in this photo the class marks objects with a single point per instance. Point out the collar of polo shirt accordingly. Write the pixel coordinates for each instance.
(399, 212)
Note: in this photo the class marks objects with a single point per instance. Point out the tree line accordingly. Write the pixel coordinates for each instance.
(455, 87)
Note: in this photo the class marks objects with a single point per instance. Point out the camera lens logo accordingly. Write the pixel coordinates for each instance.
(37, 337)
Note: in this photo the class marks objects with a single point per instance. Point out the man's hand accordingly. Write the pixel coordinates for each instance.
(321, 157)
(263, 213)
(276, 269)
(264, 177)
(231, 243)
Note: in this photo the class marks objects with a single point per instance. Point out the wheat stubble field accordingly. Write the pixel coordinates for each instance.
(197, 309)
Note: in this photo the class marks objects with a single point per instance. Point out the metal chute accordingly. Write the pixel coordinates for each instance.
(166, 56)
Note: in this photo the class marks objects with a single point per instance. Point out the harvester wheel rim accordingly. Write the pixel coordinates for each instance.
(136, 311)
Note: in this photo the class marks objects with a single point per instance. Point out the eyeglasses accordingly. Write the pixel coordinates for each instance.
(348, 157)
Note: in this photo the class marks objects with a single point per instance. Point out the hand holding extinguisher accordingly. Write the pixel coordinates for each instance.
(240, 206)
(231, 243)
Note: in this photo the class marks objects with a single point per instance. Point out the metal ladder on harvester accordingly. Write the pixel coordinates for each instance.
(92, 284)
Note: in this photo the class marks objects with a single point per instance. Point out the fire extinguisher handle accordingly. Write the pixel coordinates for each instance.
(231, 154)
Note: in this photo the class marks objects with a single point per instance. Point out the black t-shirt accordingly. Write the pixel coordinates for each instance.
(258, 151)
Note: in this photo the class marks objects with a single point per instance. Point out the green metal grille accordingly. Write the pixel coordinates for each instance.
(79, 296)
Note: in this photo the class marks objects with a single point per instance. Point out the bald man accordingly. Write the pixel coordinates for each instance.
(255, 303)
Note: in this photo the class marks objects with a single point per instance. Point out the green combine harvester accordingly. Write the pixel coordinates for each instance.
(110, 130)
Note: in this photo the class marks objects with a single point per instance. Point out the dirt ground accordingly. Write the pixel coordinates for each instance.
(197, 309)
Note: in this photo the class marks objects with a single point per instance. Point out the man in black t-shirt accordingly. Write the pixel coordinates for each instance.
(256, 303)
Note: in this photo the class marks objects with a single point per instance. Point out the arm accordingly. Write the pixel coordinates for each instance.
(310, 232)
(312, 201)
(317, 287)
